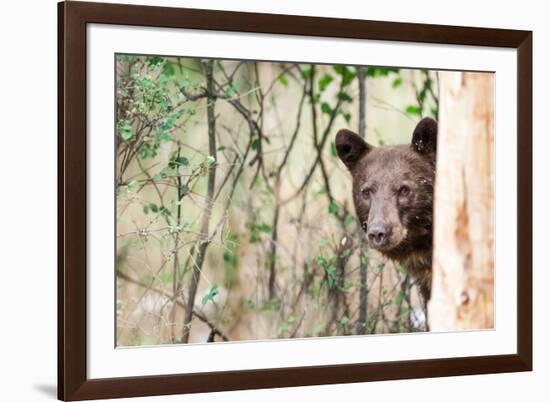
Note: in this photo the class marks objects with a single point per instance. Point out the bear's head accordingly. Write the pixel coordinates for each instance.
(393, 188)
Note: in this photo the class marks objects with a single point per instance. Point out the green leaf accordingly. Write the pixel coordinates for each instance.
(185, 81)
(181, 161)
(264, 227)
(154, 61)
(221, 148)
(333, 208)
(344, 320)
(283, 79)
(380, 71)
(348, 285)
(414, 110)
(400, 297)
(305, 72)
(126, 135)
(210, 295)
(145, 209)
(154, 207)
(125, 57)
(325, 108)
(227, 257)
(285, 327)
(165, 211)
(348, 220)
(344, 97)
(125, 131)
(325, 81)
(170, 121)
(168, 70)
(331, 276)
(347, 75)
(321, 261)
(396, 82)
(170, 170)
(163, 136)
(347, 117)
(184, 190)
(232, 89)
(314, 290)
(333, 149)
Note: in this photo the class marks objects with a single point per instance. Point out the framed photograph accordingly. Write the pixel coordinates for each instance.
(252, 200)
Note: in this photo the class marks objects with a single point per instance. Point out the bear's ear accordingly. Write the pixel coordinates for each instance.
(424, 140)
(350, 147)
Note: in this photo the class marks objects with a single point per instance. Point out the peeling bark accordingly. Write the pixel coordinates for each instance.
(463, 259)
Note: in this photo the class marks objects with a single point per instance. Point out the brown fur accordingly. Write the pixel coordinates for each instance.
(393, 190)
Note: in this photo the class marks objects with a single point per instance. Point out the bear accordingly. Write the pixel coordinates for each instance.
(393, 191)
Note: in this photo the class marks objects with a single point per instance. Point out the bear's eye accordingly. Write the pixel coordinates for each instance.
(404, 191)
(367, 191)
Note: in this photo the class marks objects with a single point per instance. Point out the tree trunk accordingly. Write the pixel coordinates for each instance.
(361, 327)
(204, 239)
(463, 259)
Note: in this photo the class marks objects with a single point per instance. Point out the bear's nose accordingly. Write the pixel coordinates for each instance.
(378, 234)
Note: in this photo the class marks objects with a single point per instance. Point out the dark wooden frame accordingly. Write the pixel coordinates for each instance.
(73, 383)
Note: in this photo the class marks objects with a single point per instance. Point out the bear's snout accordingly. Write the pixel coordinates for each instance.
(378, 235)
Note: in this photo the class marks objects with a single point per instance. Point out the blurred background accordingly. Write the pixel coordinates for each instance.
(234, 214)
